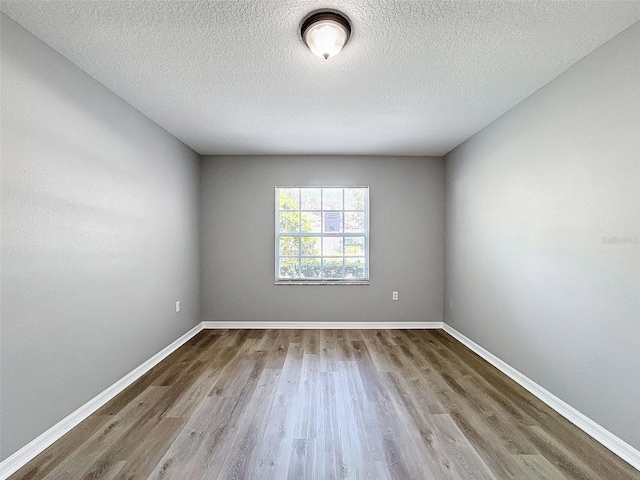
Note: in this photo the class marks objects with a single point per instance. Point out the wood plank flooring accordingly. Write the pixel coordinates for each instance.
(325, 404)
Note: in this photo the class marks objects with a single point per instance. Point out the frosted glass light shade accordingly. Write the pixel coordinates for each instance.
(326, 33)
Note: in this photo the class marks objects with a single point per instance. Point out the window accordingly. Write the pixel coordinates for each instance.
(322, 235)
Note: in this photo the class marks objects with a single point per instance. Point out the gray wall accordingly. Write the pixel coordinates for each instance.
(406, 240)
(528, 202)
(99, 238)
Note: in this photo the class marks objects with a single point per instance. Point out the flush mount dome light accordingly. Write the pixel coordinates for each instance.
(325, 33)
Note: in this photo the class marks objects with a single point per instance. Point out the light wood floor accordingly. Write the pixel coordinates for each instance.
(325, 404)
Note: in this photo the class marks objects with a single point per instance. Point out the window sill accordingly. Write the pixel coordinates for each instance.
(301, 282)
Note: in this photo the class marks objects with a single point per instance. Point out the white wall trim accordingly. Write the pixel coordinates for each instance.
(599, 433)
(324, 325)
(20, 458)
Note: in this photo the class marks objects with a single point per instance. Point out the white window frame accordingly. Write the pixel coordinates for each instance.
(322, 234)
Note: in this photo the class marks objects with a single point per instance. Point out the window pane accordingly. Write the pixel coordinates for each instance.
(312, 222)
(354, 198)
(332, 222)
(354, 246)
(332, 246)
(310, 198)
(311, 246)
(332, 199)
(354, 222)
(289, 222)
(332, 268)
(289, 246)
(311, 268)
(354, 268)
(288, 268)
(289, 199)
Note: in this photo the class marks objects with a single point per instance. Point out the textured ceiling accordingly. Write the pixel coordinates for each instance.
(233, 77)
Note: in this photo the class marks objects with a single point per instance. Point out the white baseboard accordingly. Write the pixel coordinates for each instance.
(20, 458)
(323, 325)
(599, 433)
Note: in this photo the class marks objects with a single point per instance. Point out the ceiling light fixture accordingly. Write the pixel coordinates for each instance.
(325, 33)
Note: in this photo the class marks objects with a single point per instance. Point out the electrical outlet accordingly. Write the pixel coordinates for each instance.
(178, 306)
(450, 304)
(395, 296)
